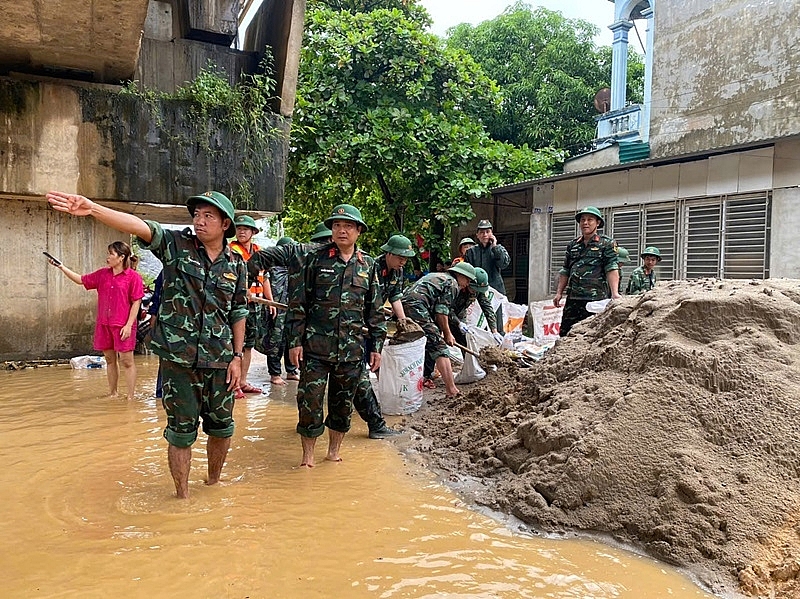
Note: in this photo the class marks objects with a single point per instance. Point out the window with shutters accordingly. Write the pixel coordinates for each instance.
(746, 237)
(660, 231)
(563, 229)
(719, 237)
(702, 235)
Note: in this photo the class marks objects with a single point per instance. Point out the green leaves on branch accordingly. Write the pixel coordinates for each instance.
(386, 115)
(549, 70)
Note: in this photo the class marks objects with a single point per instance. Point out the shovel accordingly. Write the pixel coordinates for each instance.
(407, 330)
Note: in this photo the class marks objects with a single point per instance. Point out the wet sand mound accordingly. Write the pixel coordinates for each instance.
(669, 421)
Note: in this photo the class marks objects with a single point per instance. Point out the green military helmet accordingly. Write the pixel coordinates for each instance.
(246, 221)
(466, 240)
(321, 232)
(464, 268)
(651, 250)
(399, 245)
(623, 255)
(592, 211)
(481, 284)
(218, 200)
(285, 240)
(346, 212)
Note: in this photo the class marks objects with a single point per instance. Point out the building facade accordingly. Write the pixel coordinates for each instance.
(707, 169)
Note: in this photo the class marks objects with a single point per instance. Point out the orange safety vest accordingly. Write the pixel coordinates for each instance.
(257, 288)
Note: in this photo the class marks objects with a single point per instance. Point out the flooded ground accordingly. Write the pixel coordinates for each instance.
(89, 511)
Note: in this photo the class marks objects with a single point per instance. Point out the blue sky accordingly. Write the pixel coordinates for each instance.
(447, 13)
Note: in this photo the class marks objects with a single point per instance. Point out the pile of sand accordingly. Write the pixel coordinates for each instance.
(669, 421)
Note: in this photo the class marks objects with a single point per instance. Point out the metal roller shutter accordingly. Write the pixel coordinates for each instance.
(563, 229)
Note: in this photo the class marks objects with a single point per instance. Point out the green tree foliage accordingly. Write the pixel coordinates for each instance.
(390, 120)
(548, 69)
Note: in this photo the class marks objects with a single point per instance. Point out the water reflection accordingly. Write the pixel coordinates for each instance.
(89, 510)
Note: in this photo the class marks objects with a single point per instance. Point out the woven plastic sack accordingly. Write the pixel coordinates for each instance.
(399, 386)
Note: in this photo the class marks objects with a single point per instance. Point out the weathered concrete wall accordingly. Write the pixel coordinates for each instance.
(93, 41)
(116, 147)
(93, 141)
(42, 313)
(724, 73)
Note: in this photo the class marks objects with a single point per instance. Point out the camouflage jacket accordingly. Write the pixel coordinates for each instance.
(330, 300)
(464, 298)
(640, 282)
(586, 265)
(289, 256)
(433, 294)
(491, 259)
(200, 300)
(391, 281)
(279, 280)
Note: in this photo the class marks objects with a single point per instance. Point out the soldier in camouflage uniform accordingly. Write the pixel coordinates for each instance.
(254, 328)
(282, 260)
(199, 332)
(644, 278)
(590, 270)
(274, 341)
(390, 275)
(334, 295)
(428, 303)
(458, 311)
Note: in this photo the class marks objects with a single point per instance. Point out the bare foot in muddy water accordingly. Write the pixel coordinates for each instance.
(277, 381)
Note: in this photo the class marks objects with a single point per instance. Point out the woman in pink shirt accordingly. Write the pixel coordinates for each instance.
(119, 295)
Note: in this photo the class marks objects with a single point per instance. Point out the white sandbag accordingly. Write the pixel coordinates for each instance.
(399, 387)
(546, 321)
(482, 338)
(513, 316)
(81, 362)
(474, 316)
(471, 371)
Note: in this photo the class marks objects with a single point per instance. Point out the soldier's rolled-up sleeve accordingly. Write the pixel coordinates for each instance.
(157, 237)
(567, 266)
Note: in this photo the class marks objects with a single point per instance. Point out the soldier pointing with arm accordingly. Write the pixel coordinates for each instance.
(199, 332)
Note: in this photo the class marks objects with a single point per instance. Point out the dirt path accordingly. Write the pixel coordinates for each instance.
(670, 421)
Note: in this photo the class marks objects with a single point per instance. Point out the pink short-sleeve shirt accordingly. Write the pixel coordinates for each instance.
(115, 294)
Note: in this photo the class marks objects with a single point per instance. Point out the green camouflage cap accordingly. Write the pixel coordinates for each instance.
(623, 255)
(219, 201)
(651, 250)
(345, 212)
(321, 232)
(591, 211)
(466, 240)
(464, 268)
(481, 284)
(484, 224)
(399, 245)
(246, 221)
(285, 240)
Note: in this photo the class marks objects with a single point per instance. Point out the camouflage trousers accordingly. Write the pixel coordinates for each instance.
(254, 326)
(366, 404)
(190, 394)
(275, 347)
(342, 379)
(574, 311)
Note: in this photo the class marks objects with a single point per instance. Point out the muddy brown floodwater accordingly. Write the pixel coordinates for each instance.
(89, 511)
